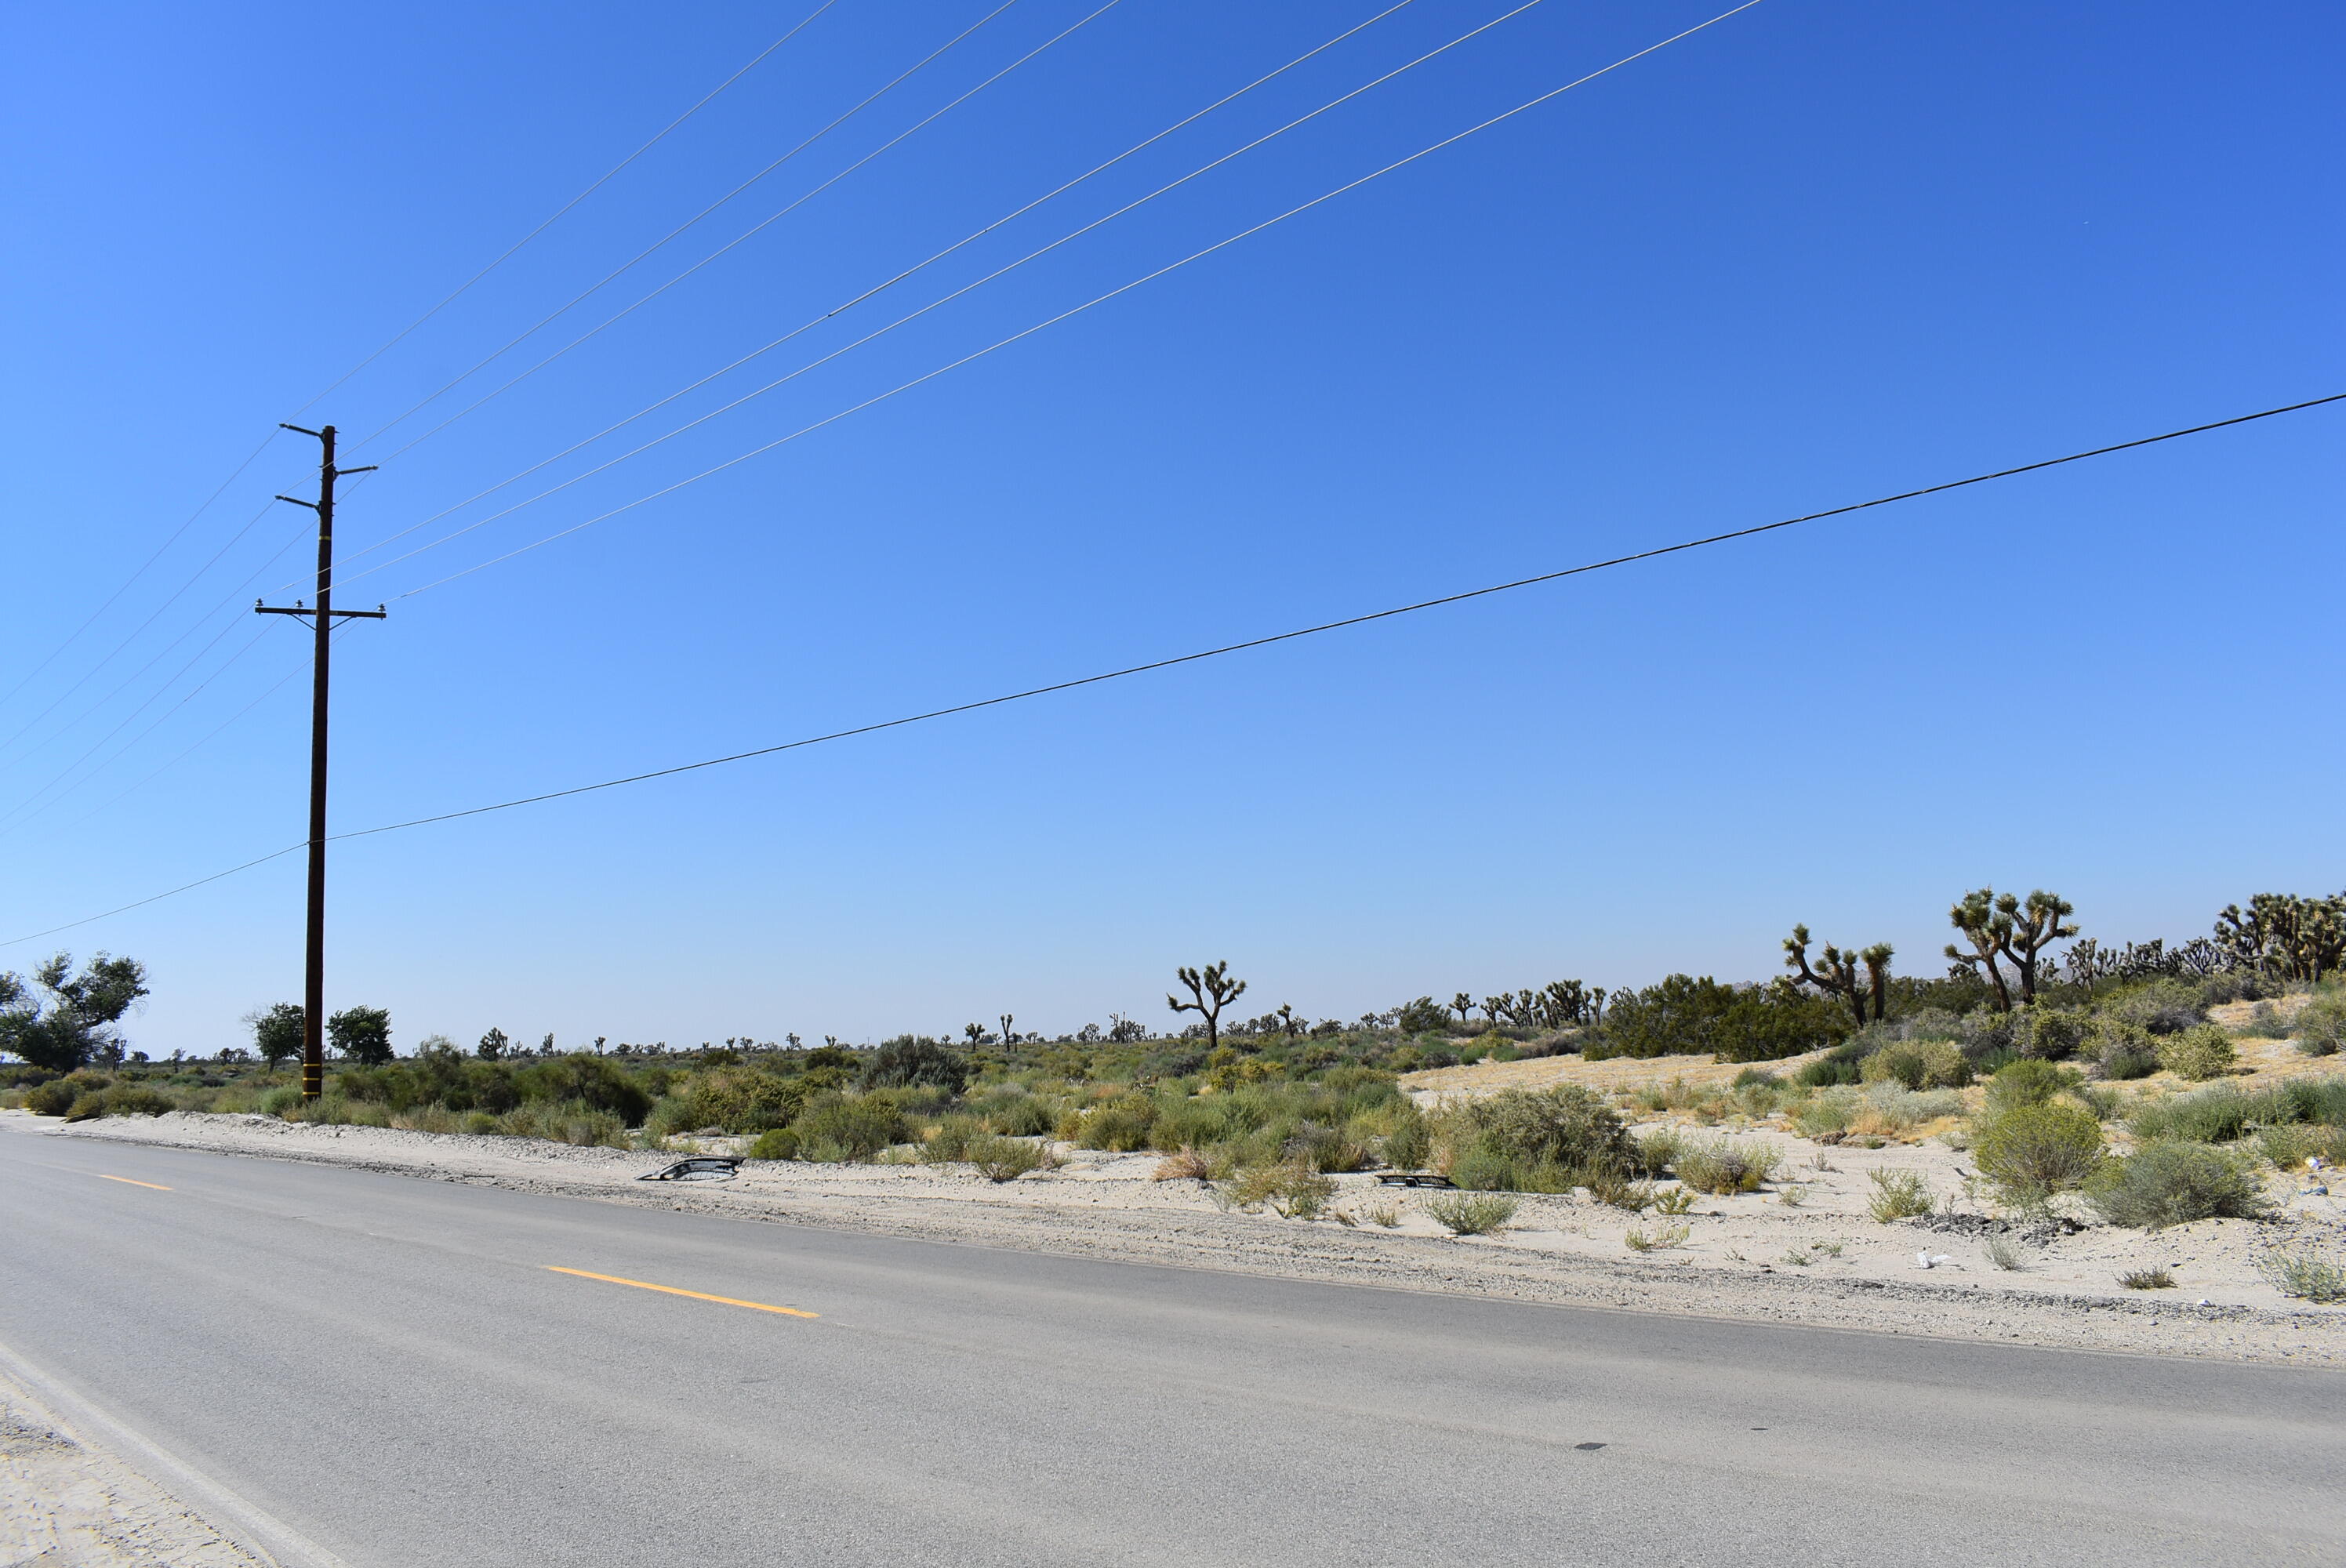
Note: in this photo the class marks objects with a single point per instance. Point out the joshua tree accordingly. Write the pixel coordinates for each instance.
(1125, 1031)
(1009, 1036)
(1496, 1008)
(1289, 1024)
(1211, 991)
(1836, 974)
(973, 1032)
(1986, 927)
(2282, 933)
(2036, 924)
(493, 1044)
(1461, 1004)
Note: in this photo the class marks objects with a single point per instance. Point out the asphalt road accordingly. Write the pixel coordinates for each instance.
(395, 1369)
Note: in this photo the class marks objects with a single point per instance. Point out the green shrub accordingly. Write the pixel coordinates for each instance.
(1001, 1159)
(2160, 1006)
(2215, 1116)
(910, 1060)
(1918, 1064)
(834, 1127)
(775, 1143)
(1567, 1125)
(2293, 1145)
(1470, 1213)
(2199, 1053)
(120, 1100)
(1899, 1194)
(2032, 1150)
(2321, 1026)
(280, 1100)
(1408, 1143)
(1724, 1168)
(736, 1099)
(2307, 1274)
(2049, 1033)
(54, 1098)
(1120, 1125)
(2026, 1080)
(1014, 1114)
(595, 1082)
(1830, 1112)
(2172, 1182)
(1289, 1188)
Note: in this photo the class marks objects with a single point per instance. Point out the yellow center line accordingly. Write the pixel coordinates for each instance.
(126, 1181)
(672, 1290)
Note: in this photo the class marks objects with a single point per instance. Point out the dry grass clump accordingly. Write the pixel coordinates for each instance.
(1184, 1164)
(1289, 1188)
(1000, 1159)
(2148, 1279)
(1724, 1168)
(1662, 1240)
(2007, 1254)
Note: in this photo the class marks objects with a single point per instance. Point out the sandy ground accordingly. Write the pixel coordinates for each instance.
(1803, 1251)
(64, 1501)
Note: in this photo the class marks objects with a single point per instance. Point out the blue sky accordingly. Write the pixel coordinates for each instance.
(1817, 253)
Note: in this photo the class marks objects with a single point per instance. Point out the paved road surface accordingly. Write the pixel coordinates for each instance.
(391, 1367)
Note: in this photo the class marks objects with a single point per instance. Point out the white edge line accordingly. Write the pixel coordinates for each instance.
(259, 1532)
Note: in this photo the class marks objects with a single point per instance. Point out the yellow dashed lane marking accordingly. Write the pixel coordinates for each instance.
(672, 1290)
(126, 1181)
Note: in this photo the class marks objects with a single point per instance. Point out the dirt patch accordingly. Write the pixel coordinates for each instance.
(1803, 1250)
(1613, 1075)
(64, 1502)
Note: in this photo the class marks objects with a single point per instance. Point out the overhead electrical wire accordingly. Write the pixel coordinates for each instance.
(396, 338)
(1373, 616)
(965, 240)
(751, 232)
(576, 299)
(605, 179)
(980, 282)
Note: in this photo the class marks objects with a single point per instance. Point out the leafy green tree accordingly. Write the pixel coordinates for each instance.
(1423, 1016)
(363, 1034)
(276, 1032)
(71, 1020)
(1211, 990)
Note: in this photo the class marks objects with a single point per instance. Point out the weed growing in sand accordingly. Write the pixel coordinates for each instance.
(2005, 1253)
(1387, 1215)
(1001, 1159)
(1798, 1258)
(1793, 1195)
(1830, 1249)
(2148, 1279)
(1471, 1213)
(2305, 1274)
(1676, 1201)
(1291, 1189)
(1667, 1236)
(1898, 1194)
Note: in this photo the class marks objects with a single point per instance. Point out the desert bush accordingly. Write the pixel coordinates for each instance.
(1653, 1152)
(1120, 1125)
(1890, 1108)
(1288, 1187)
(2212, 1115)
(2007, 1254)
(1566, 1126)
(1918, 1064)
(2321, 1026)
(1470, 1213)
(1723, 1168)
(2124, 1050)
(2199, 1053)
(950, 1139)
(2158, 1006)
(1013, 1113)
(595, 1082)
(1184, 1164)
(56, 1096)
(2172, 1182)
(2293, 1145)
(1832, 1111)
(834, 1127)
(2027, 1081)
(776, 1144)
(915, 1059)
(2305, 1273)
(1001, 1159)
(566, 1121)
(120, 1100)
(1845, 1063)
(1408, 1142)
(277, 1101)
(2148, 1279)
(2032, 1150)
(1676, 1200)
(1898, 1194)
(2049, 1033)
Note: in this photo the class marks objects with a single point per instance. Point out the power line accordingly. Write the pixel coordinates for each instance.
(499, 260)
(965, 240)
(931, 57)
(604, 180)
(988, 277)
(1413, 608)
(745, 236)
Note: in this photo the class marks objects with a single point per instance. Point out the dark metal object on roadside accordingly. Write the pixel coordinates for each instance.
(701, 1167)
(1413, 1178)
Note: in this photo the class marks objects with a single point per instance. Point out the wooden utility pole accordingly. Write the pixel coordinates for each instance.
(322, 621)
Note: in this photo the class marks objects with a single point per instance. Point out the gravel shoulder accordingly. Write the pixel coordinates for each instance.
(1818, 1261)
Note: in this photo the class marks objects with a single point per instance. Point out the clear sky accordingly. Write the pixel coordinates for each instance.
(1820, 251)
